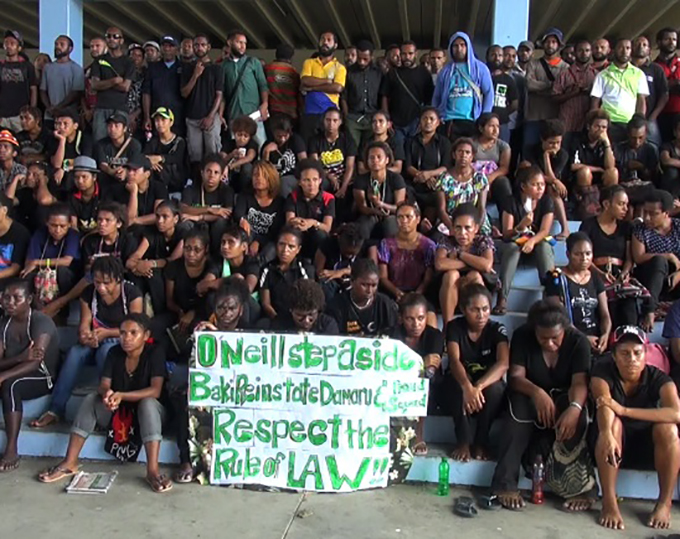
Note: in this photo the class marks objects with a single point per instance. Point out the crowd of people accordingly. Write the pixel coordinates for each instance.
(157, 192)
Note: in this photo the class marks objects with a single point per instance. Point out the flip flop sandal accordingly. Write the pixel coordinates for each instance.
(464, 507)
(159, 484)
(420, 449)
(49, 477)
(35, 424)
(184, 477)
(490, 503)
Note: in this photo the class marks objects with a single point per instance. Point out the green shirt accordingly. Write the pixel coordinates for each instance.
(245, 99)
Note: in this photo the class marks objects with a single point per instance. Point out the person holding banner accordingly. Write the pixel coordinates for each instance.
(307, 302)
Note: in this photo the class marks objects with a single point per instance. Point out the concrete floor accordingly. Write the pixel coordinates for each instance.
(31, 510)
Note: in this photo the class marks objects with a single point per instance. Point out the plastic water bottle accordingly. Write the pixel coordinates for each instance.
(537, 479)
(443, 489)
(576, 158)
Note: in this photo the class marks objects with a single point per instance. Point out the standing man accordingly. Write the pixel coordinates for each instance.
(18, 83)
(283, 81)
(621, 91)
(152, 52)
(186, 50)
(201, 86)
(572, 92)
(361, 98)
(393, 56)
(405, 90)
(601, 51)
(245, 86)
(525, 53)
(505, 95)
(89, 101)
(437, 61)
(112, 76)
(568, 53)
(516, 121)
(134, 99)
(464, 89)
(667, 41)
(657, 83)
(540, 76)
(63, 81)
(161, 87)
(350, 56)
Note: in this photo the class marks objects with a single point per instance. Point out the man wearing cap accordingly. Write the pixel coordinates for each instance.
(540, 77)
(167, 152)
(68, 143)
(84, 202)
(638, 410)
(10, 168)
(134, 98)
(145, 193)
(161, 86)
(152, 52)
(63, 81)
(18, 82)
(112, 154)
(112, 76)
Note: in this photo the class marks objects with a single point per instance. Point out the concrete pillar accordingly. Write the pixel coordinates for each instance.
(510, 22)
(61, 17)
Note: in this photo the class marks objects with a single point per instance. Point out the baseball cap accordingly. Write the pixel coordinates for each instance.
(16, 35)
(83, 162)
(632, 333)
(527, 44)
(7, 136)
(169, 39)
(153, 44)
(117, 117)
(139, 162)
(134, 46)
(556, 32)
(164, 112)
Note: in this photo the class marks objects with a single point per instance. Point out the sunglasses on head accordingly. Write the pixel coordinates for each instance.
(113, 36)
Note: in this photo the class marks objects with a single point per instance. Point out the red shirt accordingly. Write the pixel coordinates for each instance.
(284, 84)
(672, 71)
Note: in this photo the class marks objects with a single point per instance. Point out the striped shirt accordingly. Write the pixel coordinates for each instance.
(573, 111)
(284, 84)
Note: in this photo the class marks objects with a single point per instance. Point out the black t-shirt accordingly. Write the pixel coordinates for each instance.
(280, 283)
(176, 166)
(230, 145)
(85, 211)
(121, 66)
(285, 157)
(583, 301)
(324, 325)
(197, 197)
(151, 365)
(249, 266)
(185, 295)
(657, 83)
(265, 222)
(146, 200)
(13, 245)
(94, 246)
(392, 183)
(573, 358)
(159, 246)
(16, 79)
(431, 156)
(583, 152)
(558, 162)
(202, 97)
(515, 208)
(395, 144)
(504, 93)
(17, 341)
(430, 342)
(613, 245)
(476, 356)
(30, 148)
(647, 154)
(403, 108)
(110, 316)
(377, 319)
(82, 144)
(333, 155)
(105, 152)
(319, 207)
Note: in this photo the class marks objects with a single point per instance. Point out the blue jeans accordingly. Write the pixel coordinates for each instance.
(76, 359)
(404, 133)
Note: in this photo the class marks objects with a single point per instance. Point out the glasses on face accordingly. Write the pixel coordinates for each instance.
(113, 36)
(193, 249)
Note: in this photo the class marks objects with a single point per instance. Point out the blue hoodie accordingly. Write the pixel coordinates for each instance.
(479, 74)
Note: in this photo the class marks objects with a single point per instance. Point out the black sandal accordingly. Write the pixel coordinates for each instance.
(464, 507)
(490, 503)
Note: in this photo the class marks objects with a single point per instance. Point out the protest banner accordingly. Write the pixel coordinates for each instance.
(305, 412)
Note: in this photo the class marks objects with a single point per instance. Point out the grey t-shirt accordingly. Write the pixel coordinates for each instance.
(16, 342)
(60, 79)
(490, 154)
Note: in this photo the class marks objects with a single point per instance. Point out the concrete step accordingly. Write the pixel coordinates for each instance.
(521, 298)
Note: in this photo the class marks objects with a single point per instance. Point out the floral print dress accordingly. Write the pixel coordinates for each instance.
(457, 193)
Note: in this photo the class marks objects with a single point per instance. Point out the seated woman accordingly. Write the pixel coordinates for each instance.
(479, 358)
(85, 198)
(306, 305)
(55, 246)
(167, 152)
(378, 193)
(110, 237)
(158, 246)
(547, 393)
(29, 355)
(334, 258)
(261, 212)
(581, 291)
(240, 152)
(103, 305)
(132, 378)
(426, 157)
(670, 162)
(278, 276)
(284, 151)
(381, 127)
(461, 184)
(526, 220)
(364, 312)
(492, 157)
(145, 194)
(33, 138)
(638, 411)
(656, 250)
(464, 258)
(424, 339)
(406, 261)
(309, 208)
(612, 259)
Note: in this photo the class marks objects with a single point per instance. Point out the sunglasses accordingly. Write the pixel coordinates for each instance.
(113, 36)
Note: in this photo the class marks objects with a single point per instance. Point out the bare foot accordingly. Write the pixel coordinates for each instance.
(501, 306)
(660, 518)
(479, 453)
(420, 448)
(511, 500)
(461, 453)
(578, 504)
(610, 516)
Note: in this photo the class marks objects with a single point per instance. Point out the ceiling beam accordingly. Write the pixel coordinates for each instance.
(438, 15)
(172, 21)
(620, 15)
(579, 20)
(655, 18)
(472, 19)
(273, 20)
(252, 35)
(26, 28)
(304, 22)
(543, 22)
(214, 28)
(337, 23)
(124, 8)
(403, 20)
(370, 20)
(113, 21)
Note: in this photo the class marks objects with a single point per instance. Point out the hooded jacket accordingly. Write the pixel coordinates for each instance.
(479, 74)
